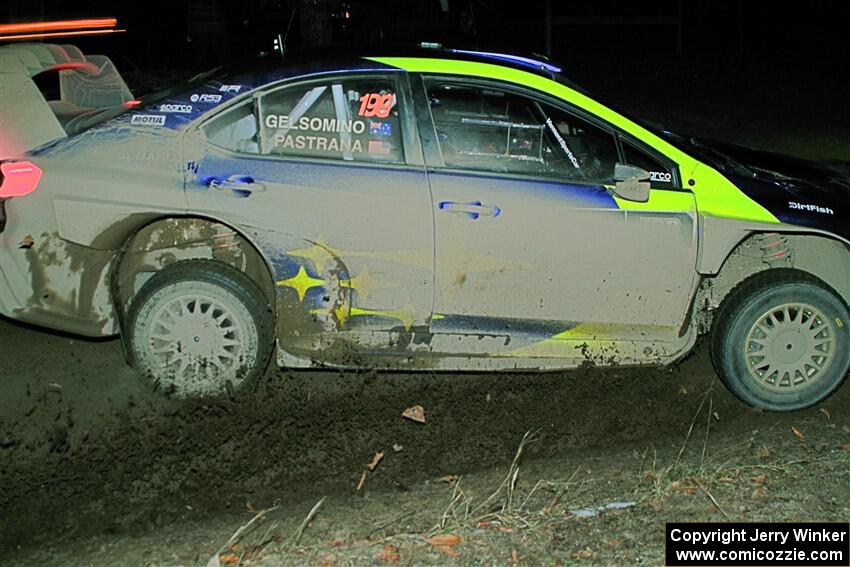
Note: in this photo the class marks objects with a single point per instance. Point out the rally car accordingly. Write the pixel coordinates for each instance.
(423, 209)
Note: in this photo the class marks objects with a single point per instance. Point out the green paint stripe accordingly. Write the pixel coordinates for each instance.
(715, 194)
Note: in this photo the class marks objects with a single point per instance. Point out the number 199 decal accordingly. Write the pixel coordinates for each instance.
(374, 104)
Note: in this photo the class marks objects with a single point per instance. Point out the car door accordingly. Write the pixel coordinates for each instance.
(530, 242)
(327, 177)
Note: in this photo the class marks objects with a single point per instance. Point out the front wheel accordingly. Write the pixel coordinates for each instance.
(781, 340)
(200, 328)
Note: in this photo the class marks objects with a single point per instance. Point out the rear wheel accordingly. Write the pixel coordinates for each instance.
(781, 340)
(200, 328)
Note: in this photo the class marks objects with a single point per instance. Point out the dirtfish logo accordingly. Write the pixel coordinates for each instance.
(811, 208)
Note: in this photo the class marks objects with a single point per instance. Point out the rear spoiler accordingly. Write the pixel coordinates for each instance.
(86, 82)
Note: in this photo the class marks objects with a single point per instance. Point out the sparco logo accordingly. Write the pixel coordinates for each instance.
(148, 120)
(205, 98)
(812, 208)
(184, 108)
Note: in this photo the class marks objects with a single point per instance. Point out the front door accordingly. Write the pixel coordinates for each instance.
(531, 244)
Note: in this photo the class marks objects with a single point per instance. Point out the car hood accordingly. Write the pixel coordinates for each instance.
(796, 191)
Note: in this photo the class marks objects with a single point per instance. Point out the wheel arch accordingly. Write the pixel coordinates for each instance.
(161, 240)
(823, 256)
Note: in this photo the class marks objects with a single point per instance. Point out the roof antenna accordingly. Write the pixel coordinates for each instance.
(474, 24)
(280, 40)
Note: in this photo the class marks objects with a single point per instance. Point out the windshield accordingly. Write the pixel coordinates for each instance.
(710, 152)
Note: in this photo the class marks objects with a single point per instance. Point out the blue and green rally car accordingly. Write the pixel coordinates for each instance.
(422, 209)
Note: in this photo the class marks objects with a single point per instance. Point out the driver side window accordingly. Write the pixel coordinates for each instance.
(483, 128)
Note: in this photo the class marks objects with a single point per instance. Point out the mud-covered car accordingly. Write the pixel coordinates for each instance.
(432, 209)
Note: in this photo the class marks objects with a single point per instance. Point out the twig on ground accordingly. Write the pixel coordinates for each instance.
(457, 496)
(300, 531)
(707, 430)
(510, 480)
(388, 523)
(560, 492)
(713, 500)
(213, 561)
(693, 422)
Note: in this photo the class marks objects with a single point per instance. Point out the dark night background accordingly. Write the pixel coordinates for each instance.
(742, 65)
(200, 33)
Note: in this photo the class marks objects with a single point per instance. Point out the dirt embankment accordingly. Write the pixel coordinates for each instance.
(97, 471)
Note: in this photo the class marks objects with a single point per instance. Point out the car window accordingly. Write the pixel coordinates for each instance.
(235, 130)
(490, 129)
(349, 119)
(353, 119)
(659, 174)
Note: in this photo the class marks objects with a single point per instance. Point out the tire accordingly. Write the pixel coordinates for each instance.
(781, 340)
(199, 329)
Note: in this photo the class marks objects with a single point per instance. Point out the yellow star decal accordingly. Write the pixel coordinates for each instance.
(363, 283)
(302, 283)
(318, 253)
(407, 316)
(339, 311)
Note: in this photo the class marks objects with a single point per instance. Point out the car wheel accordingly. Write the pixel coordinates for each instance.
(781, 340)
(200, 328)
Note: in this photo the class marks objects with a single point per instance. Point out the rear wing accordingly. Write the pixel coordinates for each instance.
(27, 119)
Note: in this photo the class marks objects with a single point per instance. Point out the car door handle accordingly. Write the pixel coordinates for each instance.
(472, 209)
(240, 183)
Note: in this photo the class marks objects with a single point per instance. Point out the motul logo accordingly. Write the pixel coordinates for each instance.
(148, 120)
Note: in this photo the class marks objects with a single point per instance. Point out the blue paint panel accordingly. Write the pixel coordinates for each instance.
(293, 171)
(283, 265)
(247, 82)
(499, 326)
(776, 197)
(578, 195)
(509, 58)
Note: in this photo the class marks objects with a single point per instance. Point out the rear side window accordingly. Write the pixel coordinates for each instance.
(235, 130)
(350, 119)
(494, 130)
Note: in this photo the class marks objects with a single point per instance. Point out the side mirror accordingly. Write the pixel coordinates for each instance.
(632, 183)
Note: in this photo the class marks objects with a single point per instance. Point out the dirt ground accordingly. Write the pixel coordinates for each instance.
(506, 469)
(97, 471)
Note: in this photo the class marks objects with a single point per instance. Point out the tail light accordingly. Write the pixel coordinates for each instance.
(18, 178)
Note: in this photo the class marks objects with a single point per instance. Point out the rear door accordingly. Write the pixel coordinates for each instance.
(530, 240)
(328, 176)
